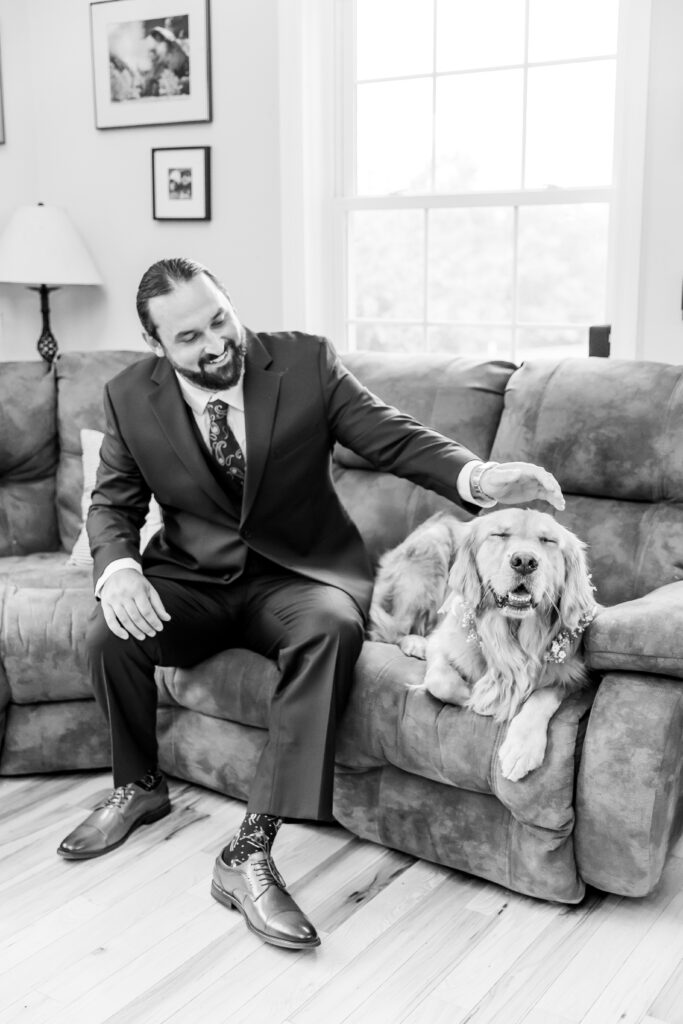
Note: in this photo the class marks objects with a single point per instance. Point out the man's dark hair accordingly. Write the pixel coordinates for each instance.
(161, 278)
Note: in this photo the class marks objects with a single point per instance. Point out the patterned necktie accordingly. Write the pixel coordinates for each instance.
(223, 443)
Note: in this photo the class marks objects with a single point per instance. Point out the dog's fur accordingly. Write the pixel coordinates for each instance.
(483, 602)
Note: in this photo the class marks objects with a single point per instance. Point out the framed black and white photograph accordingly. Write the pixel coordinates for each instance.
(151, 62)
(181, 183)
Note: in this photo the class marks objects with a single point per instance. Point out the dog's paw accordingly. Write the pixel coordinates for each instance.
(414, 646)
(522, 750)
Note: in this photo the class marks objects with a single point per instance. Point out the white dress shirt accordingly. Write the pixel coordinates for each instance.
(197, 399)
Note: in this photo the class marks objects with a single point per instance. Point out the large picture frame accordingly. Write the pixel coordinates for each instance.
(151, 62)
(181, 183)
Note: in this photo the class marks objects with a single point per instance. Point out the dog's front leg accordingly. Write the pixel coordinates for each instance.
(523, 749)
(414, 646)
(444, 681)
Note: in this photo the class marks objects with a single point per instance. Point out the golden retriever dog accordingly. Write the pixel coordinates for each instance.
(497, 608)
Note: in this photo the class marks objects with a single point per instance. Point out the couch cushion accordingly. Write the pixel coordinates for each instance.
(645, 635)
(237, 685)
(44, 610)
(28, 459)
(81, 377)
(461, 398)
(610, 431)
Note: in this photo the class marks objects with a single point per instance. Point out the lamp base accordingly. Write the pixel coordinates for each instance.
(47, 343)
(47, 346)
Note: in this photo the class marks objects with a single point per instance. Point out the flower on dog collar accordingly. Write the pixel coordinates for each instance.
(559, 645)
(469, 624)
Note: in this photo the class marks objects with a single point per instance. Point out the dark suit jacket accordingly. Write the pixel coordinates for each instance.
(299, 399)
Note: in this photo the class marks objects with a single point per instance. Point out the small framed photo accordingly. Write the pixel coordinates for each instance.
(151, 62)
(181, 183)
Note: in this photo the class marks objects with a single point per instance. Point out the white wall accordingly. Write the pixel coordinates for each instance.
(661, 326)
(54, 154)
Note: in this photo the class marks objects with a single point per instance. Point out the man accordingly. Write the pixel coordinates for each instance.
(232, 432)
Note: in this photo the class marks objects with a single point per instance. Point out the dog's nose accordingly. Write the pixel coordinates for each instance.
(523, 562)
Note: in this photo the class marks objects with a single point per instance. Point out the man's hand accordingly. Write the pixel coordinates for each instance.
(517, 482)
(131, 605)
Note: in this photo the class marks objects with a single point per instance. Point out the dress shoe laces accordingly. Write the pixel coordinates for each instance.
(120, 796)
(266, 872)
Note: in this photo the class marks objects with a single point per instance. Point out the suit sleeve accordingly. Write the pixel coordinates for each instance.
(389, 439)
(119, 502)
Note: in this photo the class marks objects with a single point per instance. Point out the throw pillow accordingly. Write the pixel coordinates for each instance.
(91, 442)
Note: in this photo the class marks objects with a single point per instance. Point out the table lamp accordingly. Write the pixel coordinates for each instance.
(42, 249)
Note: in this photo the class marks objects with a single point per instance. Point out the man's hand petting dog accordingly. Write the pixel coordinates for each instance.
(131, 606)
(514, 483)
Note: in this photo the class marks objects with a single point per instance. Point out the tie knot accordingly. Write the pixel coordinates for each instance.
(217, 409)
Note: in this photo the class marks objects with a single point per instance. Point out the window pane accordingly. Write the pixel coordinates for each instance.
(470, 264)
(550, 343)
(386, 337)
(478, 131)
(562, 29)
(562, 264)
(394, 137)
(386, 250)
(479, 342)
(570, 117)
(394, 37)
(481, 34)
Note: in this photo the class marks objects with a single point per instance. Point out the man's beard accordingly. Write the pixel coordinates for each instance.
(216, 378)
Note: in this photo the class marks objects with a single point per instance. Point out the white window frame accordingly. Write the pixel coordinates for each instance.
(315, 38)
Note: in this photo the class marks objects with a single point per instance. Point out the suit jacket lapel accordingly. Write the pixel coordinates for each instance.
(171, 411)
(261, 391)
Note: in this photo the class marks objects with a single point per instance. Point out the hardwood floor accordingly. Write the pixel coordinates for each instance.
(135, 938)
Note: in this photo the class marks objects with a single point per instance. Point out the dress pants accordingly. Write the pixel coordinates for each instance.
(313, 631)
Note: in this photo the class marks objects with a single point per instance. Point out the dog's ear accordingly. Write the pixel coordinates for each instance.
(577, 597)
(464, 578)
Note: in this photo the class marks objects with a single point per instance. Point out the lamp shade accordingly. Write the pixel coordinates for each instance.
(40, 245)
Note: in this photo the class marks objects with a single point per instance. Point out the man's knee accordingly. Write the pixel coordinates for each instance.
(97, 635)
(338, 618)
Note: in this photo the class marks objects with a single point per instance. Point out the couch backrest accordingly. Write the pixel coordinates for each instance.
(461, 398)
(612, 433)
(81, 377)
(28, 457)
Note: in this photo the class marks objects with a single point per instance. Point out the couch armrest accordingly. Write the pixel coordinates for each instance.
(630, 782)
(645, 635)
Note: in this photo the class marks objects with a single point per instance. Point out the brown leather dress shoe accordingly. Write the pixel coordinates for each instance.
(257, 890)
(114, 819)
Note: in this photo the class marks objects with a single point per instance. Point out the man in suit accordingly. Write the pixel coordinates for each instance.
(232, 432)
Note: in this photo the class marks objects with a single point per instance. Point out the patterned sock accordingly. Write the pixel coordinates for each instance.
(257, 832)
(150, 780)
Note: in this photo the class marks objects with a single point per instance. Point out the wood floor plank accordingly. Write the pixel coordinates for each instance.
(668, 1004)
(628, 995)
(517, 925)
(623, 923)
(32, 1008)
(511, 997)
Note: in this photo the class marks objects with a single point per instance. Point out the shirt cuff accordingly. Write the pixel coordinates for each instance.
(464, 486)
(118, 563)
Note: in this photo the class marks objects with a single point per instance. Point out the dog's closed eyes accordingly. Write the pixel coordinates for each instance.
(504, 624)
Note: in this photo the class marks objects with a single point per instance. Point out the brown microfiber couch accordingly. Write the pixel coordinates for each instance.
(412, 773)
